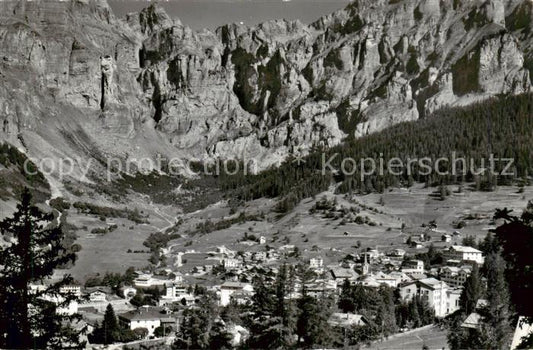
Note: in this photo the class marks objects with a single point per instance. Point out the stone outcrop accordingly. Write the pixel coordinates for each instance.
(77, 81)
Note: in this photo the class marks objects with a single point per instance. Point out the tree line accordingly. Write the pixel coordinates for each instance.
(500, 126)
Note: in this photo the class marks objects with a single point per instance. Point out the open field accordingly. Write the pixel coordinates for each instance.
(109, 252)
(415, 206)
(432, 337)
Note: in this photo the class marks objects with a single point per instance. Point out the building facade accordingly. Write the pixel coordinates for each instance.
(463, 253)
(435, 292)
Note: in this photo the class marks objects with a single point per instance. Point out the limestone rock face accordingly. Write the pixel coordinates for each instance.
(497, 53)
(77, 81)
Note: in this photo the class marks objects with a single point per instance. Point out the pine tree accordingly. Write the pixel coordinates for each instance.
(219, 337)
(285, 309)
(197, 324)
(516, 239)
(345, 299)
(472, 291)
(470, 241)
(489, 244)
(111, 331)
(27, 320)
(386, 311)
(496, 326)
(312, 326)
(274, 320)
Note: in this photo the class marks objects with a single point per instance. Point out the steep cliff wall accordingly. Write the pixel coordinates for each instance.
(76, 81)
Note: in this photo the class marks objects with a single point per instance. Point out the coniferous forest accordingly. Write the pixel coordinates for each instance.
(500, 126)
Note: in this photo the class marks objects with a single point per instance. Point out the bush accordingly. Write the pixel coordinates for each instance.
(141, 332)
(59, 204)
(108, 212)
(163, 331)
(99, 231)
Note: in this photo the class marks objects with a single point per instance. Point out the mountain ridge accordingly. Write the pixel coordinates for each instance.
(78, 82)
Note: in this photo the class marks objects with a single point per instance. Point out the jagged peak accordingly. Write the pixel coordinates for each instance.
(151, 19)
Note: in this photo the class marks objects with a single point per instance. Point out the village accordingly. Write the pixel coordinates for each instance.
(228, 274)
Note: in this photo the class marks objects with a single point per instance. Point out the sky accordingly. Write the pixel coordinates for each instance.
(211, 14)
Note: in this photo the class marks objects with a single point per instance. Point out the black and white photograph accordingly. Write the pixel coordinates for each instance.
(266, 174)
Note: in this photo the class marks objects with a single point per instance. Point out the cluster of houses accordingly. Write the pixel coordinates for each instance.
(440, 287)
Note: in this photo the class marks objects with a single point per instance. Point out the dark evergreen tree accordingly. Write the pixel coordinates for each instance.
(219, 337)
(108, 332)
(27, 319)
(515, 237)
(472, 291)
(197, 323)
(346, 303)
(386, 317)
(111, 332)
(489, 244)
(312, 327)
(470, 241)
(496, 325)
(275, 315)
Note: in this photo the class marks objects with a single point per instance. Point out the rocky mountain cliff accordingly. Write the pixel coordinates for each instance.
(76, 81)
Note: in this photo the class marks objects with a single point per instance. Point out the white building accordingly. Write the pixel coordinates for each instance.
(392, 279)
(175, 290)
(455, 276)
(229, 288)
(399, 253)
(178, 260)
(347, 320)
(452, 303)
(148, 280)
(371, 254)
(413, 266)
(231, 263)
(71, 289)
(259, 256)
(69, 309)
(223, 250)
(97, 296)
(368, 281)
(463, 253)
(435, 292)
(147, 317)
(316, 263)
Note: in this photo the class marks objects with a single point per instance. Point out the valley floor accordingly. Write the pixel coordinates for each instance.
(388, 212)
